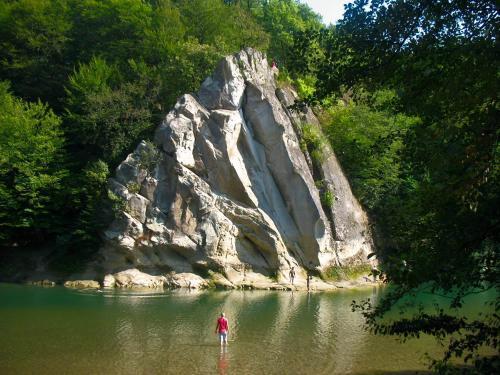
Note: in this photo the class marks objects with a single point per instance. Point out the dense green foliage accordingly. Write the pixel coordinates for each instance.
(313, 142)
(369, 138)
(31, 147)
(106, 114)
(424, 160)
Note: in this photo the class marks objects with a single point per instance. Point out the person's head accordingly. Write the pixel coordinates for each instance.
(292, 268)
(222, 315)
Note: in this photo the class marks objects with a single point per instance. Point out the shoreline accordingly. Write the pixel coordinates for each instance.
(201, 285)
(133, 278)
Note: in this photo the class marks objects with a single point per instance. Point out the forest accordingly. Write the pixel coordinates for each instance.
(406, 91)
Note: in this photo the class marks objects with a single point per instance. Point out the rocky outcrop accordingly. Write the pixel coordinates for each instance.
(349, 223)
(226, 187)
(45, 283)
(109, 281)
(186, 280)
(82, 284)
(133, 278)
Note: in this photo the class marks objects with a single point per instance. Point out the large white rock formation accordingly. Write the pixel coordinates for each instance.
(226, 187)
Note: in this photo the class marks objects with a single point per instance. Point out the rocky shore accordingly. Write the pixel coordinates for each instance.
(135, 279)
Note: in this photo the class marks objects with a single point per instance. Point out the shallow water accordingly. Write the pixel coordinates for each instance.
(58, 330)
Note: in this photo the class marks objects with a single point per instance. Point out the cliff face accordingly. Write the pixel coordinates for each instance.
(226, 187)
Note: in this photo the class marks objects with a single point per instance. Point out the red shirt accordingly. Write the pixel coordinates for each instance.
(222, 325)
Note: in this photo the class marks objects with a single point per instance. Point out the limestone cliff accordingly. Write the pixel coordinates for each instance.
(226, 187)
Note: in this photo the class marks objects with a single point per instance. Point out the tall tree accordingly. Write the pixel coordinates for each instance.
(441, 58)
(230, 28)
(34, 41)
(31, 170)
(282, 19)
(118, 29)
(106, 115)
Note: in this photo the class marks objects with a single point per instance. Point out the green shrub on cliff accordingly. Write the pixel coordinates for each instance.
(314, 142)
(345, 273)
(368, 140)
(327, 199)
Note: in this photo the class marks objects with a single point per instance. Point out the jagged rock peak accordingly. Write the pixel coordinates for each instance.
(226, 187)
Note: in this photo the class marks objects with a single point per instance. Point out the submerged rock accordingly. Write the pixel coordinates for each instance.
(133, 278)
(109, 281)
(82, 284)
(186, 280)
(226, 187)
(46, 283)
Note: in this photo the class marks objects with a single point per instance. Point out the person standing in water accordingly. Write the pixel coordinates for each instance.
(222, 328)
(292, 275)
(309, 277)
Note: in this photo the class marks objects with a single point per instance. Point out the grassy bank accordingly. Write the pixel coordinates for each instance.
(343, 273)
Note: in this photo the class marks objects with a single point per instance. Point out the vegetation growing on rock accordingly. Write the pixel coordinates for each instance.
(345, 273)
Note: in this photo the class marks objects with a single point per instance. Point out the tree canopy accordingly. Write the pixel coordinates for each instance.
(31, 174)
(437, 226)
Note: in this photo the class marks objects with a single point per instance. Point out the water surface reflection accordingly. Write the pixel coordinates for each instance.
(63, 331)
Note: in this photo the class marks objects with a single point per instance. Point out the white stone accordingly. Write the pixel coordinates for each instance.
(82, 284)
(233, 190)
(133, 278)
(109, 281)
(137, 206)
(186, 280)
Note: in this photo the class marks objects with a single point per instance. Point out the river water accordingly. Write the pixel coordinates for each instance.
(64, 331)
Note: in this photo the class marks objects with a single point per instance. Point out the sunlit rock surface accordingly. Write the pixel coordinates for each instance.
(226, 187)
(82, 284)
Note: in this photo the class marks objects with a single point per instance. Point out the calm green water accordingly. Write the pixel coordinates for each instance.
(62, 331)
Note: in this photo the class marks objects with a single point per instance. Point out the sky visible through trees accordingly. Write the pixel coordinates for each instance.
(330, 10)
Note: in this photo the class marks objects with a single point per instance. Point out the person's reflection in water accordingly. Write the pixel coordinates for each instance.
(222, 363)
(375, 294)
